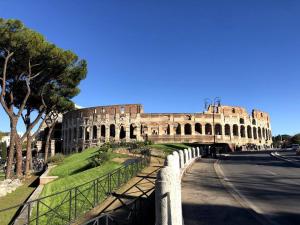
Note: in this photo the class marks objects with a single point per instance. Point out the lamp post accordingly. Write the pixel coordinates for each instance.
(214, 104)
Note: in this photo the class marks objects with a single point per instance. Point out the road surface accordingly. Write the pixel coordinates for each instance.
(254, 189)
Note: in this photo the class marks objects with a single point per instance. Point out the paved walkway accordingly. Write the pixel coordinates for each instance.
(205, 201)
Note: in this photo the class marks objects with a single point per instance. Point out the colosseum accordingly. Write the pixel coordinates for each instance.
(219, 124)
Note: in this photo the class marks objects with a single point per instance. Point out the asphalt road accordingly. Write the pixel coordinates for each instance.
(270, 185)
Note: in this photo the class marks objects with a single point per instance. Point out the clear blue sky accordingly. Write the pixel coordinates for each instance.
(171, 55)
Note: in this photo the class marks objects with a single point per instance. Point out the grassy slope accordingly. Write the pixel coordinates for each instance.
(75, 170)
(169, 147)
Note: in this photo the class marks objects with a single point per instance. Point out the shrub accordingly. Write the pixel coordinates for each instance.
(57, 158)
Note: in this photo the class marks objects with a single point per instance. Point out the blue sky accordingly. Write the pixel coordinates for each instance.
(171, 55)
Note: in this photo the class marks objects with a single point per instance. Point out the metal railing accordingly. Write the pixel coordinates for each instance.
(66, 206)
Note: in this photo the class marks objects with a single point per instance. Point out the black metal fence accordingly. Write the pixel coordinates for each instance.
(139, 211)
(65, 206)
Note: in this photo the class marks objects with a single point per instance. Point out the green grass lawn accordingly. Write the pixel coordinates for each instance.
(170, 147)
(15, 198)
(73, 171)
(2, 175)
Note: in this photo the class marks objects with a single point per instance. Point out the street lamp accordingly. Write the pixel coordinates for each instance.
(214, 104)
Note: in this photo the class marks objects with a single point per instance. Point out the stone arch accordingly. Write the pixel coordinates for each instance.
(198, 128)
(187, 129)
(80, 132)
(87, 133)
(227, 129)
(259, 132)
(103, 131)
(249, 133)
(112, 130)
(75, 133)
(94, 132)
(133, 131)
(177, 128)
(154, 129)
(122, 132)
(168, 130)
(208, 129)
(243, 132)
(235, 130)
(218, 129)
(254, 133)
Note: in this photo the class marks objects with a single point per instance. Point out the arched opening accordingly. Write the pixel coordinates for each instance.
(235, 130)
(122, 132)
(80, 132)
(254, 133)
(187, 129)
(112, 130)
(132, 131)
(263, 133)
(243, 132)
(253, 122)
(168, 130)
(198, 128)
(242, 121)
(75, 133)
(87, 133)
(94, 132)
(102, 130)
(208, 129)
(177, 128)
(267, 136)
(259, 133)
(249, 133)
(218, 129)
(227, 129)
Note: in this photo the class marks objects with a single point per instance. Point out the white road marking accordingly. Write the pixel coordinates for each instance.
(274, 174)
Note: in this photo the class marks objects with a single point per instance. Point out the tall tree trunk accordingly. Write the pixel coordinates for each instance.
(47, 144)
(13, 133)
(28, 155)
(19, 172)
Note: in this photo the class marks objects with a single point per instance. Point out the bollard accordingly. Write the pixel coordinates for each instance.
(190, 154)
(170, 161)
(198, 152)
(176, 159)
(194, 152)
(186, 156)
(181, 158)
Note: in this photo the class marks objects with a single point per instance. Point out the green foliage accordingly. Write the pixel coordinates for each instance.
(3, 150)
(296, 139)
(101, 156)
(57, 158)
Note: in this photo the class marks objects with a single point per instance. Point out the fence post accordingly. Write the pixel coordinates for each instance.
(75, 213)
(70, 205)
(186, 156)
(37, 211)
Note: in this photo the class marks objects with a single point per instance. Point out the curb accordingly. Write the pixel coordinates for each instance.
(278, 156)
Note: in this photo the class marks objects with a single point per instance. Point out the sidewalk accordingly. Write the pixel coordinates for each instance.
(205, 201)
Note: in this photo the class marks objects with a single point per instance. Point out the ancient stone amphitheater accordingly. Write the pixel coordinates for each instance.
(220, 124)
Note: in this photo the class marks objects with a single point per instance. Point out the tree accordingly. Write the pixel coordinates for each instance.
(31, 70)
(4, 150)
(296, 139)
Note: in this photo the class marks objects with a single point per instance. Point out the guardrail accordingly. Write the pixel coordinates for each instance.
(66, 206)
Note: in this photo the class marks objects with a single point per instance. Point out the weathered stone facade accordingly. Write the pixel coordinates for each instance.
(87, 127)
